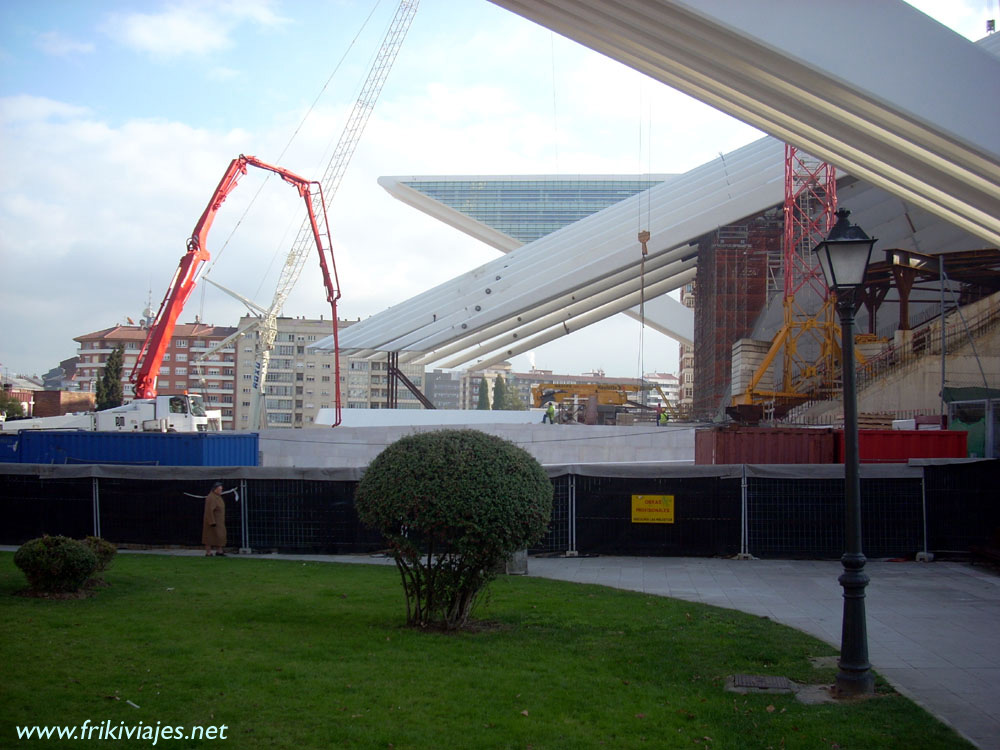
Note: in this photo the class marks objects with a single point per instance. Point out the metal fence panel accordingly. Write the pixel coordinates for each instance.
(160, 513)
(805, 517)
(33, 506)
(290, 515)
(963, 505)
(706, 510)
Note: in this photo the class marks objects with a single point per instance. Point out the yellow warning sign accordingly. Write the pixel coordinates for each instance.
(652, 508)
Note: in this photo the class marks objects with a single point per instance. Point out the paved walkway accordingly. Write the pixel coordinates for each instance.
(933, 628)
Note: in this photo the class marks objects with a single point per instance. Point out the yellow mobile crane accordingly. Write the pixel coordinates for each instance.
(611, 396)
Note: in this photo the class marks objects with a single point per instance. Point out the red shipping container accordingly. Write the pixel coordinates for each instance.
(899, 446)
(764, 445)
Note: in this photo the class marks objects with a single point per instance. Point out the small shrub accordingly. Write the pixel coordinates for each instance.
(55, 564)
(103, 550)
(453, 505)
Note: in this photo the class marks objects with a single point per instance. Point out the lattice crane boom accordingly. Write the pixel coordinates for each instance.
(292, 268)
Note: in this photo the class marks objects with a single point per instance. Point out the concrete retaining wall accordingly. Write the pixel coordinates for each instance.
(342, 447)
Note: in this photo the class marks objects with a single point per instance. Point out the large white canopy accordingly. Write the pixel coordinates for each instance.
(878, 89)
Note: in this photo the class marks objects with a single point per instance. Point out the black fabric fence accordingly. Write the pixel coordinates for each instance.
(777, 512)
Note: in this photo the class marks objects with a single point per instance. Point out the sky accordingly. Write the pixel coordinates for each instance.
(119, 117)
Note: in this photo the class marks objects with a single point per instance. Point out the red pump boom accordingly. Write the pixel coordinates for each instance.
(147, 367)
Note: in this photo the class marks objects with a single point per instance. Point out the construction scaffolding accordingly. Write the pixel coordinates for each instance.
(732, 292)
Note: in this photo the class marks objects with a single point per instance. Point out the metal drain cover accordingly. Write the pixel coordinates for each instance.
(760, 682)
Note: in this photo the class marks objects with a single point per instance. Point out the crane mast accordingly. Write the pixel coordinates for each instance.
(267, 328)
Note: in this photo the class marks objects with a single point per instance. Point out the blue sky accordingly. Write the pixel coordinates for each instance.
(117, 119)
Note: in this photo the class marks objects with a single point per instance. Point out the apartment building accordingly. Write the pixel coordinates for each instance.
(186, 365)
(301, 380)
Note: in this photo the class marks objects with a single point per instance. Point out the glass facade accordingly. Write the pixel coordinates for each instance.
(529, 208)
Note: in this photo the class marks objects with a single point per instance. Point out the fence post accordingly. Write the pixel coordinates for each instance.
(572, 551)
(95, 494)
(244, 519)
(924, 556)
(744, 521)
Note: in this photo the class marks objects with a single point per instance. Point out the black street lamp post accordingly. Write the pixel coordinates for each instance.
(844, 257)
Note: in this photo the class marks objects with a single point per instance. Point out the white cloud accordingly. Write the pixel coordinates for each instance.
(188, 28)
(177, 32)
(60, 45)
(27, 108)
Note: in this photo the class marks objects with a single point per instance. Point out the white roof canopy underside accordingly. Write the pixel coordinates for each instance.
(881, 91)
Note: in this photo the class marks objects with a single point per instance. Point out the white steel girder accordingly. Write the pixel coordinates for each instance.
(880, 90)
(588, 256)
(664, 314)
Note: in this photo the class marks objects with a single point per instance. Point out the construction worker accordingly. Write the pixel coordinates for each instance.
(550, 414)
(663, 418)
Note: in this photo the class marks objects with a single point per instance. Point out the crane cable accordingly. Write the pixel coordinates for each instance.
(281, 156)
(643, 237)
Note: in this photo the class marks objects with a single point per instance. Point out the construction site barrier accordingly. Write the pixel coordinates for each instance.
(773, 511)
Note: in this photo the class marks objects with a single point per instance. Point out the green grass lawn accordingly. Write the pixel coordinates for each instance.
(315, 655)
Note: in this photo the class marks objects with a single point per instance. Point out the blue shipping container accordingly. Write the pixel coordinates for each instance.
(8, 448)
(138, 448)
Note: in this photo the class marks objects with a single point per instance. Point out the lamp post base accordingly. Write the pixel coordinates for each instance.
(855, 676)
(850, 685)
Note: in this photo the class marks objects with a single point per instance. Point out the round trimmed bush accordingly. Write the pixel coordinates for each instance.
(103, 550)
(55, 564)
(453, 506)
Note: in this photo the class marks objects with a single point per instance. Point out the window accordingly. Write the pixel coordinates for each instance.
(180, 371)
(180, 343)
(166, 356)
(182, 357)
(164, 371)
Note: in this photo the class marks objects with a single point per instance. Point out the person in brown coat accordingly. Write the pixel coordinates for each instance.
(213, 529)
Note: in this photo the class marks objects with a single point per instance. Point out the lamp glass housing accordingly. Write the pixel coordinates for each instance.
(844, 255)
